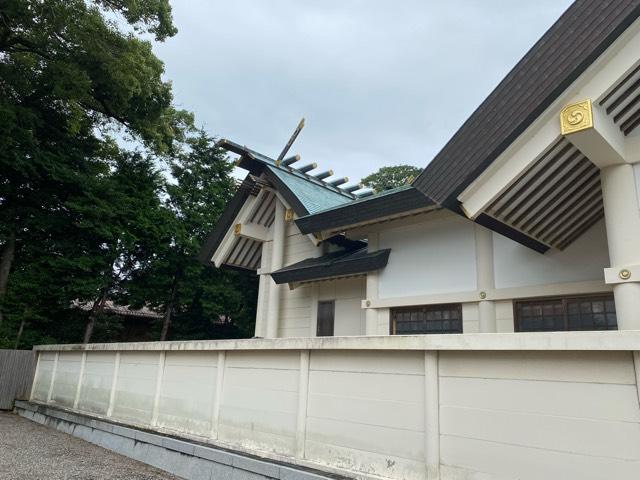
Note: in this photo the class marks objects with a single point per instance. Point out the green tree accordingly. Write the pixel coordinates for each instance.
(120, 227)
(72, 74)
(92, 249)
(387, 178)
(177, 283)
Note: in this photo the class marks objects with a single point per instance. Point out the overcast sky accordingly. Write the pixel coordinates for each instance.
(380, 82)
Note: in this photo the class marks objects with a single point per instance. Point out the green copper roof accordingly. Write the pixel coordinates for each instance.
(366, 199)
(307, 194)
(314, 197)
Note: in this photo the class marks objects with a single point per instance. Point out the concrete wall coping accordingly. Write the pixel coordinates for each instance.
(628, 340)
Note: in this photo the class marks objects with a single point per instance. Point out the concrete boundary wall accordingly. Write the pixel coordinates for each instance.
(185, 459)
(492, 406)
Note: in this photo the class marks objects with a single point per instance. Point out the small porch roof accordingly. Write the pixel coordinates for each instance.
(333, 265)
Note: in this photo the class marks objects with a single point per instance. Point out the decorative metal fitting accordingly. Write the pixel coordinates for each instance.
(576, 117)
(237, 229)
(483, 295)
(368, 303)
(288, 215)
(624, 274)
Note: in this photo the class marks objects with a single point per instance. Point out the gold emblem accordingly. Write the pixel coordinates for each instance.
(237, 229)
(576, 117)
(288, 215)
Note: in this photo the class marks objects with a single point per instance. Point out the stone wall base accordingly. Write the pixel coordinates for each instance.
(187, 459)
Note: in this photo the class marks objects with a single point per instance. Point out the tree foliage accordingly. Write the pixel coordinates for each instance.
(387, 178)
(84, 217)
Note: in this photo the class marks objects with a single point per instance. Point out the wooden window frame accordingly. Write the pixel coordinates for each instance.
(605, 296)
(434, 307)
(333, 320)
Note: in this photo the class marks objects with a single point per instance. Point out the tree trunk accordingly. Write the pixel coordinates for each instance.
(19, 336)
(8, 253)
(96, 309)
(168, 311)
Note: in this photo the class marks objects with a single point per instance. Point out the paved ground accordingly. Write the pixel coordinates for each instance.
(29, 451)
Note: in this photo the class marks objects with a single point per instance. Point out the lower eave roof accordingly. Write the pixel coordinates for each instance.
(332, 265)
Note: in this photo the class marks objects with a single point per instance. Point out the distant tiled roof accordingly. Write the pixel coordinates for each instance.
(122, 310)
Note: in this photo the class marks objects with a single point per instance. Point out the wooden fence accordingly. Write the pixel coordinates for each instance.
(16, 375)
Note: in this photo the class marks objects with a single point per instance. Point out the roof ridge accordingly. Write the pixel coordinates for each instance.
(260, 157)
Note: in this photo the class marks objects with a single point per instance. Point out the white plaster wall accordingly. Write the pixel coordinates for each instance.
(135, 387)
(95, 391)
(504, 316)
(636, 171)
(259, 401)
(534, 415)
(503, 415)
(295, 311)
(437, 256)
(470, 318)
(384, 319)
(66, 380)
(297, 246)
(295, 305)
(42, 379)
(585, 259)
(348, 294)
(366, 414)
(188, 391)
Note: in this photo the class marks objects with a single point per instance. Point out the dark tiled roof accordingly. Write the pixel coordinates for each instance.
(383, 204)
(332, 265)
(581, 34)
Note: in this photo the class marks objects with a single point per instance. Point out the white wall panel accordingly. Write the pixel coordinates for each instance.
(188, 391)
(437, 256)
(366, 412)
(466, 458)
(518, 266)
(259, 403)
(136, 386)
(470, 318)
(525, 403)
(636, 171)
(67, 377)
(504, 316)
(596, 367)
(96, 382)
(42, 379)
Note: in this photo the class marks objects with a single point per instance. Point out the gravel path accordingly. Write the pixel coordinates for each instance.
(29, 451)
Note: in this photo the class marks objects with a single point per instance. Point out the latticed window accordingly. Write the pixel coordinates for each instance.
(427, 319)
(593, 312)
